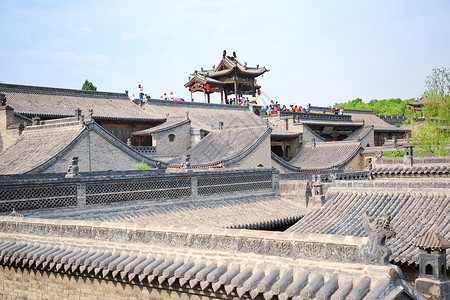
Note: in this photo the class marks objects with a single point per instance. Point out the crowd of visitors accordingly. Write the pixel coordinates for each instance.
(274, 108)
(337, 111)
(142, 96)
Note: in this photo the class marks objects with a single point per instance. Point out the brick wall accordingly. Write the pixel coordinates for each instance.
(20, 283)
(95, 154)
(261, 155)
(180, 144)
(8, 136)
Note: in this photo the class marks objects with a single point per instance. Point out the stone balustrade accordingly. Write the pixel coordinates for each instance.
(48, 191)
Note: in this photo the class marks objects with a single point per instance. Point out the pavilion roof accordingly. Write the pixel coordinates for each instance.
(227, 65)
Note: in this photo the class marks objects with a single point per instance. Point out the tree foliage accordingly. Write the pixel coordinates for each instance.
(388, 107)
(88, 86)
(432, 136)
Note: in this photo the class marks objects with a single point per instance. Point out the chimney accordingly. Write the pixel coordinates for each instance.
(432, 281)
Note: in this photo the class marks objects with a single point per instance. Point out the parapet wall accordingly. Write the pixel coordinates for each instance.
(36, 192)
(282, 244)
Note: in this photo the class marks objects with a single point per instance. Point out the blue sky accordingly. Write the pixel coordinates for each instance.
(318, 52)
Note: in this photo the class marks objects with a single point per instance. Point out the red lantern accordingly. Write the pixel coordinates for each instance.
(207, 87)
(259, 92)
(409, 107)
(431, 104)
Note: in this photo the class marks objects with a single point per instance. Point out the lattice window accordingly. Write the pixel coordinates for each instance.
(236, 187)
(137, 191)
(208, 181)
(38, 198)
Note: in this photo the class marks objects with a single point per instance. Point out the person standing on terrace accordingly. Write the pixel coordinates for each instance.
(141, 92)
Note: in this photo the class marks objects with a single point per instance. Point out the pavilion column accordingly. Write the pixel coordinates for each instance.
(204, 96)
(253, 90)
(192, 99)
(236, 97)
(221, 95)
(209, 100)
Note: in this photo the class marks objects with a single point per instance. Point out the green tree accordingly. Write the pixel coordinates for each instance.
(432, 136)
(88, 86)
(389, 107)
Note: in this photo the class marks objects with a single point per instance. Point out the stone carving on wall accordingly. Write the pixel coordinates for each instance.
(376, 251)
(73, 169)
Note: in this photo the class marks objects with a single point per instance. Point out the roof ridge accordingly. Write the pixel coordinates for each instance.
(59, 91)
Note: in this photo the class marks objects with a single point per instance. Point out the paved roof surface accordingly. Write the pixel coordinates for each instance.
(247, 212)
(221, 146)
(56, 103)
(416, 207)
(204, 116)
(38, 144)
(371, 119)
(325, 155)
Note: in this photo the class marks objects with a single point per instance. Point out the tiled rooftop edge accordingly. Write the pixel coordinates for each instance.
(432, 183)
(291, 245)
(60, 91)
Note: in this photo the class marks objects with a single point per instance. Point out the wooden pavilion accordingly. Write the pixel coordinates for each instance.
(230, 77)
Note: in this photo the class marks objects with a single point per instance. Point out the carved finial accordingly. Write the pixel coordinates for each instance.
(187, 162)
(213, 67)
(3, 99)
(14, 213)
(129, 142)
(224, 53)
(73, 169)
(234, 54)
(201, 69)
(257, 66)
(78, 113)
(126, 92)
(376, 251)
(35, 120)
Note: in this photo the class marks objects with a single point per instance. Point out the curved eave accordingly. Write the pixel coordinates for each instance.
(285, 135)
(150, 131)
(59, 116)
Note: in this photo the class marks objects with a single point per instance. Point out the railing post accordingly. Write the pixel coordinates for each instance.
(81, 194)
(194, 187)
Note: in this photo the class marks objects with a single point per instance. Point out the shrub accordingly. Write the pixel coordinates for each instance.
(398, 153)
(142, 166)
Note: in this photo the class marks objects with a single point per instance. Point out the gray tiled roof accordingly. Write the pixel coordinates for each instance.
(415, 209)
(359, 133)
(198, 259)
(162, 127)
(224, 146)
(326, 155)
(36, 145)
(414, 170)
(250, 212)
(432, 240)
(57, 103)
